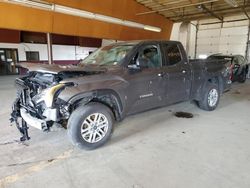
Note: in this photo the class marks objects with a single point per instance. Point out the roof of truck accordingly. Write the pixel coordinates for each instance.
(135, 42)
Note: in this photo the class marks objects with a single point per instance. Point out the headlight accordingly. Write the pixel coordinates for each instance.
(47, 95)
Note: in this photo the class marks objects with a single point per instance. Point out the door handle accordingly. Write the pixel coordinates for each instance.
(184, 71)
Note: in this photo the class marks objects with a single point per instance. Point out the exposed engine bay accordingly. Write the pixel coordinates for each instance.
(37, 101)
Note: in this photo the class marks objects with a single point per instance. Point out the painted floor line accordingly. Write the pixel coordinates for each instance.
(38, 167)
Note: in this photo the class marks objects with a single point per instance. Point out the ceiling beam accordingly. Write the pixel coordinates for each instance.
(232, 3)
(215, 11)
(160, 4)
(244, 9)
(228, 21)
(203, 17)
(177, 7)
(203, 7)
(245, 12)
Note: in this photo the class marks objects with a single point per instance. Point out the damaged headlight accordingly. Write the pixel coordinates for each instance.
(47, 95)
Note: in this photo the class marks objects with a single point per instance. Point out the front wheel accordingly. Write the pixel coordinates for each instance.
(90, 126)
(211, 97)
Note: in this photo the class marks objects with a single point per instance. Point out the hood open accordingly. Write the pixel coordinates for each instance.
(55, 69)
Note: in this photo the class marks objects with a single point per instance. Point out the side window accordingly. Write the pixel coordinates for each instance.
(241, 60)
(148, 57)
(172, 54)
(235, 60)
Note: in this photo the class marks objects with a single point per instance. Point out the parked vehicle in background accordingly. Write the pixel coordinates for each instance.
(112, 83)
(238, 66)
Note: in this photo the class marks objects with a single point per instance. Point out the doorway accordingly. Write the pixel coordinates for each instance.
(8, 61)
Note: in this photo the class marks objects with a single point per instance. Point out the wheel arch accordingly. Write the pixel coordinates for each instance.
(217, 80)
(108, 97)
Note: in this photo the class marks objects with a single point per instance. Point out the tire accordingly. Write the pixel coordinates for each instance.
(86, 133)
(243, 76)
(205, 103)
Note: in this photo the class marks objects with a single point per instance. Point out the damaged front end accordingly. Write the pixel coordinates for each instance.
(37, 103)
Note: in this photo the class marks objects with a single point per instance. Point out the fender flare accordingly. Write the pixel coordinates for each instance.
(86, 97)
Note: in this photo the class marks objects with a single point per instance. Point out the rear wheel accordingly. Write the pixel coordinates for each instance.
(211, 97)
(90, 126)
(243, 76)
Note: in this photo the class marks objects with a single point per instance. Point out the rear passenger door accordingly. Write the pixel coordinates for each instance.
(178, 71)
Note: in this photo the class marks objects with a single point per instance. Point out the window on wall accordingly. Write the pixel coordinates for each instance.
(32, 56)
(172, 54)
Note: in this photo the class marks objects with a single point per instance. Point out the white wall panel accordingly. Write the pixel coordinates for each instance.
(240, 30)
(209, 33)
(175, 32)
(232, 49)
(209, 41)
(212, 26)
(60, 52)
(231, 40)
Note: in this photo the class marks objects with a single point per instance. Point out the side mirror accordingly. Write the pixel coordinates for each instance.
(142, 62)
(134, 67)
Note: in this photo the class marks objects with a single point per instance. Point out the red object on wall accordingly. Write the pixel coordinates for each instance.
(9, 36)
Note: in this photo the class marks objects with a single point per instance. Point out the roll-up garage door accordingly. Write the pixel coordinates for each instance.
(226, 40)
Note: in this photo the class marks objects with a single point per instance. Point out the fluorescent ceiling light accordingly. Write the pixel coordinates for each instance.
(84, 14)
(34, 4)
(73, 11)
(108, 19)
(232, 3)
(152, 28)
(133, 24)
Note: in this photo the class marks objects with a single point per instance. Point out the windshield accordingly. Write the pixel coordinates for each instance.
(221, 57)
(108, 55)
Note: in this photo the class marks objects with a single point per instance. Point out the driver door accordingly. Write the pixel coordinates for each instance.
(146, 83)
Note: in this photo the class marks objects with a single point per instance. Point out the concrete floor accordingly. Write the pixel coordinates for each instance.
(152, 149)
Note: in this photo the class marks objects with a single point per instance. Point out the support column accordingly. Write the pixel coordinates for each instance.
(248, 42)
(49, 48)
(196, 39)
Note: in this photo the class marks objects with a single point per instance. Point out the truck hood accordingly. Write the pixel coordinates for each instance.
(55, 69)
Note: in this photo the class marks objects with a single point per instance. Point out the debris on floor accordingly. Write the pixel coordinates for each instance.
(183, 115)
(237, 92)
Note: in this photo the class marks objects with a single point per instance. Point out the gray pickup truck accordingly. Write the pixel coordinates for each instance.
(112, 83)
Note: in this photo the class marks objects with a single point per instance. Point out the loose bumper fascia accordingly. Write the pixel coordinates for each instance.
(32, 121)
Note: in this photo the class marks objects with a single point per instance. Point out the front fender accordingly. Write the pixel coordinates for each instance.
(100, 95)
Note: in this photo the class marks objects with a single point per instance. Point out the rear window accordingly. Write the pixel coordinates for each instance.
(172, 54)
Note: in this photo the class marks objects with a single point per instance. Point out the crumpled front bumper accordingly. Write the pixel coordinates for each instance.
(49, 114)
(32, 121)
